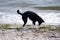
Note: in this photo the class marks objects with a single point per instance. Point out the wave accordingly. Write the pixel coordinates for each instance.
(9, 18)
(49, 18)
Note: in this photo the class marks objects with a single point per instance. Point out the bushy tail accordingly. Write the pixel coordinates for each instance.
(19, 12)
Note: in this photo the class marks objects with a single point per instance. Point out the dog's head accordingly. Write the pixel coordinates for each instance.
(41, 21)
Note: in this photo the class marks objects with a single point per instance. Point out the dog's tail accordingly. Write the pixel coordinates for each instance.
(19, 12)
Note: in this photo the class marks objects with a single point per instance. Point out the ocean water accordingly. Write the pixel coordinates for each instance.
(8, 10)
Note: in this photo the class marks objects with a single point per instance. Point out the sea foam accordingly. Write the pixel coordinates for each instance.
(49, 18)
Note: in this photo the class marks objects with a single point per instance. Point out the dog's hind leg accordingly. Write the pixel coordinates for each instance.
(24, 20)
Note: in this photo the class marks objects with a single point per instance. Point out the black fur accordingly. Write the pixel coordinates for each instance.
(32, 16)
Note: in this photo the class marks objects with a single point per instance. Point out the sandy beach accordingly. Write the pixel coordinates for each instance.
(26, 33)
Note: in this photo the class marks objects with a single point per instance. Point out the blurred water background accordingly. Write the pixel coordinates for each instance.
(50, 14)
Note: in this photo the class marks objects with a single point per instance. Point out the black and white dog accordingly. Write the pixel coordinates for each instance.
(32, 16)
